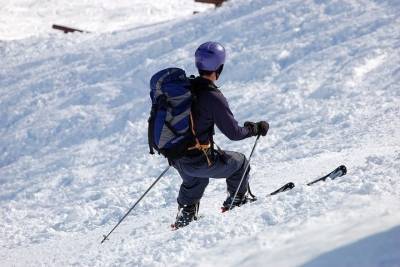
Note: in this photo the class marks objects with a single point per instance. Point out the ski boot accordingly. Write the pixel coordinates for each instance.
(186, 214)
(239, 200)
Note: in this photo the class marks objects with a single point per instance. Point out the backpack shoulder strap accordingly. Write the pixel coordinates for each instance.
(150, 129)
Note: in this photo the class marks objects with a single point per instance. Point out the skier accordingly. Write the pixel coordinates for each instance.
(204, 159)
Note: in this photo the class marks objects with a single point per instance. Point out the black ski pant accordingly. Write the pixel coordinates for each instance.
(195, 173)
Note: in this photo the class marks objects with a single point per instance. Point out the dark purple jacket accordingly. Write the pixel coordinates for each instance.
(211, 108)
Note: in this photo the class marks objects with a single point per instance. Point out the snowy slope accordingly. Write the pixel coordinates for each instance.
(25, 18)
(73, 152)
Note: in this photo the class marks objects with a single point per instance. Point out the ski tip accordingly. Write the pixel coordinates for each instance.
(286, 187)
(223, 209)
(343, 169)
(340, 171)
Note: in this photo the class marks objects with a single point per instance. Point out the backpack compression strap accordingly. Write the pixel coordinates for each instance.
(203, 148)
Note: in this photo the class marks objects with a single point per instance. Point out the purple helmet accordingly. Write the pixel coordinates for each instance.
(210, 56)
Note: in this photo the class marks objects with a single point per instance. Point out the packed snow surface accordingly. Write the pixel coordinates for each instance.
(25, 18)
(73, 146)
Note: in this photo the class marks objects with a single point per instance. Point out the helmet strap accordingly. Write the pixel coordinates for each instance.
(219, 71)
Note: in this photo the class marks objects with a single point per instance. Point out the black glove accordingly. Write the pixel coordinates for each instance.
(259, 128)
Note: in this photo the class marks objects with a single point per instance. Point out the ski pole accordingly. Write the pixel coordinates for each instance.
(105, 237)
(245, 171)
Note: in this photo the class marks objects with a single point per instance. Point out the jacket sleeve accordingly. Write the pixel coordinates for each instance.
(224, 119)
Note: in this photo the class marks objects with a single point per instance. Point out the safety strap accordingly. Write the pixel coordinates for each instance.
(202, 147)
(253, 197)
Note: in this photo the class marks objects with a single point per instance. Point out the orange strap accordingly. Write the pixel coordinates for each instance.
(204, 148)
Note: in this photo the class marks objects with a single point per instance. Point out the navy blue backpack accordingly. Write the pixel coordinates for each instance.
(169, 131)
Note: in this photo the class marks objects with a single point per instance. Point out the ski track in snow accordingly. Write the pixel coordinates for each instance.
(74, 156)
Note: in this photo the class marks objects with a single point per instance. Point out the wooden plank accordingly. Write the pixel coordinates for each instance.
(217, 3)
(66, 29)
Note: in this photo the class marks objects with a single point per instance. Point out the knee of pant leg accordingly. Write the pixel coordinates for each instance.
(241, 165)
(241, 160)
(245, 161)
(248, 168)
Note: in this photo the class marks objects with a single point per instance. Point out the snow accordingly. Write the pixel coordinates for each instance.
(25, 18)
(73, 148)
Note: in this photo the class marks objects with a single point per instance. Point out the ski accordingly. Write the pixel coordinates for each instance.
(338, 172)
(284, 188)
